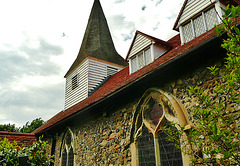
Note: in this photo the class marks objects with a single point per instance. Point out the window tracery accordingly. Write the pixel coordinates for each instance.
(148, 141)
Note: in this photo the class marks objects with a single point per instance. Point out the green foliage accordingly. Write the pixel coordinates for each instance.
(28, 128)
(8, 153)
(37, 155)
(8, 128)
(215, 138)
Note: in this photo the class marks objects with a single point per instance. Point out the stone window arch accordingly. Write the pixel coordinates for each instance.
(149, 144)
(67, 149)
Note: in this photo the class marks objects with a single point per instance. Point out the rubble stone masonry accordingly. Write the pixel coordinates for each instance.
(106, 140)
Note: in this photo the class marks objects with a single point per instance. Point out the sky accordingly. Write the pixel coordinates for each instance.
(40, 39)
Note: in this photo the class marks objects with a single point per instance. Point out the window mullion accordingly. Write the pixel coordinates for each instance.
(67, 158)
(130, 66)
(144, 59)
(193, 29)
(181, 35)
(157, 152)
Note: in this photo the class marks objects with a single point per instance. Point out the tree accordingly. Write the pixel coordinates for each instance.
(9, 128)
(28, 128)
(215, 138)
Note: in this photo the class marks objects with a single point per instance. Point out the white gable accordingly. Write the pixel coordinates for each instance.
(139, 44)
(192, 8)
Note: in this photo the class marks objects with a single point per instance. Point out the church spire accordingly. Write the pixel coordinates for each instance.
(97, 41)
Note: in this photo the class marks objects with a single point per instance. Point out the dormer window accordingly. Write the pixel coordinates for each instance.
(144, 50)
(197, 17)
(141, 60)
(198, 25)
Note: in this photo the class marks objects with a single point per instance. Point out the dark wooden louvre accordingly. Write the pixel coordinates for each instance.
(75, 82)
(169, 155)
(111, 71)
(146, 150)
(64, 157)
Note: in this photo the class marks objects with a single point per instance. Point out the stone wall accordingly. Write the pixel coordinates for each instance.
(205, 81)
(103, 141)
(106, 140)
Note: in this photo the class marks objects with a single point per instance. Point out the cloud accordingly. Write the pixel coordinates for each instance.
(119, 1)
(34, 56)
(158, 2)
(22, 106)
(30, 83)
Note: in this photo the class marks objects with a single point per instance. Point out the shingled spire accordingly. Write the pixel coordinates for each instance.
(97, 41)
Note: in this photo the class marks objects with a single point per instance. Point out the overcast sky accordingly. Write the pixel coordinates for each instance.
(39, 40)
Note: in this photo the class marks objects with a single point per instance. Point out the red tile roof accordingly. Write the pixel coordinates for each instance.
(175, 41)
(122, 78)
(23, 139)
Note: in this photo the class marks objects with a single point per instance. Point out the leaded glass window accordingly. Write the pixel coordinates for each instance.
(64, 157)
(154, 113)
(146, 148)
(199, 25)
(141, 60)
(71, 157)
(194, 28)
(170, 156)
(211, 18)
(188, 32)
(134, 64)
(148, 57)
(67, 153)
(149, 141)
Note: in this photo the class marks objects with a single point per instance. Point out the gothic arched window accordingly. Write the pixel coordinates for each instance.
(67, 150)
(149, 143)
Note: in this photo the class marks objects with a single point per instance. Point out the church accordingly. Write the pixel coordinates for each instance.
(115, 108)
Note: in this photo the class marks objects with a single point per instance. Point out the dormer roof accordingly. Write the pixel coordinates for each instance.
(97, 41)
(148, 40)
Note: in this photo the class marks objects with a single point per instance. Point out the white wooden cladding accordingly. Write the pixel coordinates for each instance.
(192, 8)
(72, 96)
(90, 74)
(139, 44)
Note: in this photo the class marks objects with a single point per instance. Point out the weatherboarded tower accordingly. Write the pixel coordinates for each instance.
(97, 59)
